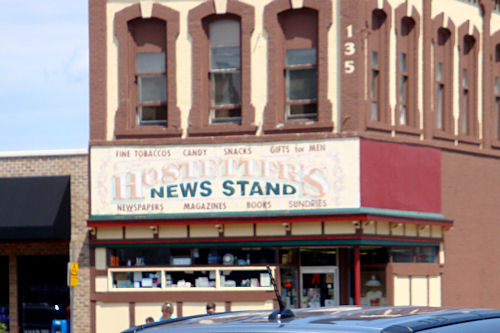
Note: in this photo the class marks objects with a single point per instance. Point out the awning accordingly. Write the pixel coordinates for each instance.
(35, 208)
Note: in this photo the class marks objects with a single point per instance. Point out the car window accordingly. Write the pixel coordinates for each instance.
(479, 326)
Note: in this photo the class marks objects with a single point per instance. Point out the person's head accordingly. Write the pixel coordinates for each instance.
(149, 320)
(167, 310)
(210, 307)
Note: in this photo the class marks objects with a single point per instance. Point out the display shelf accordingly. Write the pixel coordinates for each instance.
(214, 278)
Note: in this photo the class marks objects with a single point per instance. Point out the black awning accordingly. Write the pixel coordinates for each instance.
(35, 208)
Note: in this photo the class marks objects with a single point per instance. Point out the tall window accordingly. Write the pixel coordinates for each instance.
(150, 65)
(301, 84)
(225, 73)
(151, 81)
(300, 63)
(496, 116)
(464, 104)
(146, 73)
(374, 87)
(297, 67)
(496, 92)
(403, 89)
(407, 68)
(221, 69)
(377, 53)
(443, 64)
(467, 121)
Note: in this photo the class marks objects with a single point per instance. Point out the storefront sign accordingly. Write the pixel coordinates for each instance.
(73, 274)
(225, 179)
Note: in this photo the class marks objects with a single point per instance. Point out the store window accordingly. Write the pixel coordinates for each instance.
(468, 127)
(297, 67)
(378, 114)
(443, 78)
(4, 291)
(42, 297)
(146, 72)
(221, 70)
(145, 256)
(373, 286)
(318, 257)
(407, 33)
(414, 254)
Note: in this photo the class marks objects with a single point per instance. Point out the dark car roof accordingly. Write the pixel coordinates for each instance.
(338, 319)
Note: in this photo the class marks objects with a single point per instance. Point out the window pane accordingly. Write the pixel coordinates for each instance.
(426, 254)
(226, 88)
(374, 59)
(302, 84)
(374, 111)
(465, 82)
(402, 62)
(226, 115)
(151, 114)
(463, 113)
(301, 57)
(301, 111)
(402, 254)
(402, 114)
(497, 118)
(150, 62)
(225, 57)
(152, 89)
(497, 85)
(403, 82)
(440, 105)
(439, 71)
(224, 33)
(374, 89)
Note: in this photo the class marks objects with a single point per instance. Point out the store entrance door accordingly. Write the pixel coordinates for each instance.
(319, 286)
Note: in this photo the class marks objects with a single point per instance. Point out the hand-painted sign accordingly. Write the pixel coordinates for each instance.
(224, 178)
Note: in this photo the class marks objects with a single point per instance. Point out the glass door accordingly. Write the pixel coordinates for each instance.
(319, 286)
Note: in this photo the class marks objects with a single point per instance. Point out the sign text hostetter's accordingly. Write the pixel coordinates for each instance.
(225, 178)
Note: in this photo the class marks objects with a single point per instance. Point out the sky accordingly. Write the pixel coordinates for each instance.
(44, 94)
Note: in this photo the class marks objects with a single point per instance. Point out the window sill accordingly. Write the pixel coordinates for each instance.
(222, 129)
(495, 144)
(149, 131)
(442, 135)
(302, 125)
(469, 140)
(401, 129)
(378, 126)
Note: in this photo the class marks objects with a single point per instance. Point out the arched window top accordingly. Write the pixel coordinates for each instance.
(379, 18)
(444, 36)
(469, 43)
(304, 35)
(145, 34)
(407, 25)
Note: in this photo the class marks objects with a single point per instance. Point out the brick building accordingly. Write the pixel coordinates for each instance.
(44, 208)
(350, 145)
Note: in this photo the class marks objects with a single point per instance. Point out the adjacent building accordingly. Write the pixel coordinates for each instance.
(43, 213)
(350, 146)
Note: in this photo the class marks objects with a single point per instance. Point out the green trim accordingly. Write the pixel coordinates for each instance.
(278, 213)
(318, 242)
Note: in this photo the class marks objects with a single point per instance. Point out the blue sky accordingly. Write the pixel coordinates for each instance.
(44, 75)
